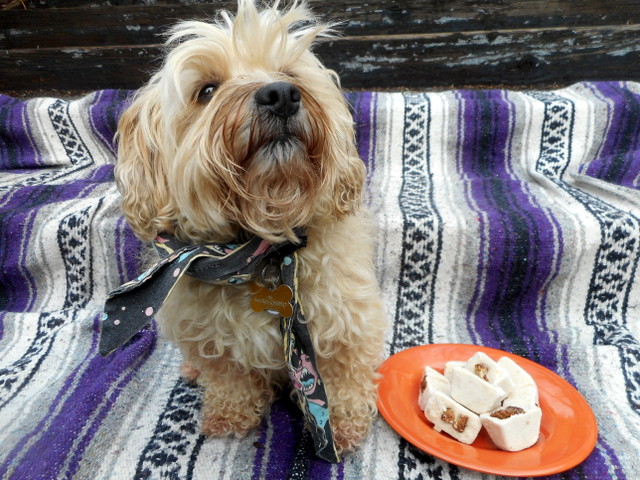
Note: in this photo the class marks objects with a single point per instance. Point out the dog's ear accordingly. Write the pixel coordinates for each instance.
(140, 174)
(345, 171)
(351, 177)
(350, 169)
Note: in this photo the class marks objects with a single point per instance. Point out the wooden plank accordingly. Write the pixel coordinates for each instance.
(88, 27)
(77, 68)
(140, 25)
(52, 4)
(511, 58)
(526, 6)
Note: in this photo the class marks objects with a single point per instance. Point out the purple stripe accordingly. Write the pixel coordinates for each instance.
(145, 347)
(320, 469)
(101, 174)
(16, 139)
(512, 229)
(363, 104)
(127, 247)
(16, 280)
(553, 335)
(6, 100)
(106, 108)
(618, 160)
(33, 197)
(364, 108)
(286, 430)
(596, 463)
(259, 457)
(56, 434)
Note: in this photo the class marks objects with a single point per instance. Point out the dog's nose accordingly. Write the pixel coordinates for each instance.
(279, 98)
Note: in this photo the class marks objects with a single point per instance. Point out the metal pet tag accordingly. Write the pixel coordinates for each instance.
(274, 301)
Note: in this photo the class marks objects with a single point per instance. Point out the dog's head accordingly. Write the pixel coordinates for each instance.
(241, 129)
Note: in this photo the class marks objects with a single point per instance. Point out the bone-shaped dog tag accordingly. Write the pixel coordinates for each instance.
(274, 301)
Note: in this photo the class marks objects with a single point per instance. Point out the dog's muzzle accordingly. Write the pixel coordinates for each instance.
(281, 99)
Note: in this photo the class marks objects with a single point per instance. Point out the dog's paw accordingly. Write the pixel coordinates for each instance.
(347, 435)
(188, 372)
(231, 425)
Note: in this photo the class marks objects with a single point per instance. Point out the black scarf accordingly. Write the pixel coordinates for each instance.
(131, 306)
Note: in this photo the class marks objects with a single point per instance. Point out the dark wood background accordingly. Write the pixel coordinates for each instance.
(81, 45)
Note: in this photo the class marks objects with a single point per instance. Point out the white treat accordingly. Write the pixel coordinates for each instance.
(452, 418)
(449, 366)
(523, 397)
(518, 375)
(433, 374)
(513, 428)
(481, 365)
(485, 368)
(432, 381)
(505, 383)
(473, 392)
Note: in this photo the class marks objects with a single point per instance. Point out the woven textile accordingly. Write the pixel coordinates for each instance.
(505, 219)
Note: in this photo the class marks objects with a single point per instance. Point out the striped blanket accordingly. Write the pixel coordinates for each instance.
(506, 219)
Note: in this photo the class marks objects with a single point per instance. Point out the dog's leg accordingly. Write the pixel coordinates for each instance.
(234, 400)
(350, 384)
(347, 323)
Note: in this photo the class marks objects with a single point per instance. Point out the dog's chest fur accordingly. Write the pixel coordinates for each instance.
(220, 320)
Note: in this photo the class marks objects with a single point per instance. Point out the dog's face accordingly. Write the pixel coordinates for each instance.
(241, 129)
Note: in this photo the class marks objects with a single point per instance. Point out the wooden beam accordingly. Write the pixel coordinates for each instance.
(87, 26)
(385, 45)
(543, 57)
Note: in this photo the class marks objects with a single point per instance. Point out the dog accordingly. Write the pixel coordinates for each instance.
(243, 131)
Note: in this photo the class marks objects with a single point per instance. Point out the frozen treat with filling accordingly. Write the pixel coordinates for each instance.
(449, 366)
(485, 368)
(513, 428)
(473, 392)
(432, 381)
(451, 417)
(523, 397)
(518, 375)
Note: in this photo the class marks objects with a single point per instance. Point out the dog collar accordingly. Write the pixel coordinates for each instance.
(131, 306)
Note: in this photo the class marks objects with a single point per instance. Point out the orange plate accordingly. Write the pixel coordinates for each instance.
(567, 435)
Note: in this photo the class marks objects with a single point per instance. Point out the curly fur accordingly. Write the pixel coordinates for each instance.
(207, 169)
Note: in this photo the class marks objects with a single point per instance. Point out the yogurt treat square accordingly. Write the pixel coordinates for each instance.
(432, 381)
(473, 392)
(518, 375)
(451, 417)
(484, 367)
(513, 428)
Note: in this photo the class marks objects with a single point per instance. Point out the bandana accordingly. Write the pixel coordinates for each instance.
(131, 306)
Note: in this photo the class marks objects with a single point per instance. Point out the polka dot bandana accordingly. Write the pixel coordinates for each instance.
(303, 371)
(131, 306)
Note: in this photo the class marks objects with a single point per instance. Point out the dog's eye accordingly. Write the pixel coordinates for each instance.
(206, 92)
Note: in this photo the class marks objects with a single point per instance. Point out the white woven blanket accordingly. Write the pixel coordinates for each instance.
(506, 219)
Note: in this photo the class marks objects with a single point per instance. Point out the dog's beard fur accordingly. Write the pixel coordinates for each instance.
(266, 171)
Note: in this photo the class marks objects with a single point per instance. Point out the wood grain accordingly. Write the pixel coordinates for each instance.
(386, 45)
(140, 25)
